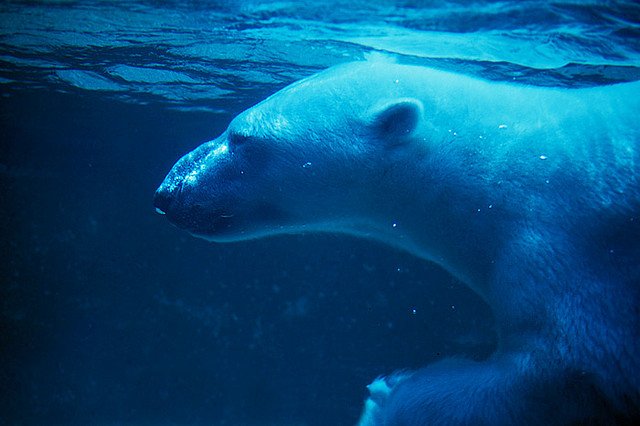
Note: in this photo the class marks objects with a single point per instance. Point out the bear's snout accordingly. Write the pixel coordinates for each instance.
(166, 198)
(162, 200)
(184, 172)
(194, 194)
(168, 201)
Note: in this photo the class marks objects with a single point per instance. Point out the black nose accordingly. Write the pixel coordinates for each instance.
(162, 200)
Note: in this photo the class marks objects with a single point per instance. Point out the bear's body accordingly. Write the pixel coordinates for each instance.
(529, 195)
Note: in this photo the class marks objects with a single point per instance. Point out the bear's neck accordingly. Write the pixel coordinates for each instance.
(455, 230)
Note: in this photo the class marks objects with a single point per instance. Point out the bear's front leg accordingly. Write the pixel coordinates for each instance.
(509, 389)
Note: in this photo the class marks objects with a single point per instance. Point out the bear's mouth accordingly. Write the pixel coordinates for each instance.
(193, 217)
(164, 199)
(203, 221)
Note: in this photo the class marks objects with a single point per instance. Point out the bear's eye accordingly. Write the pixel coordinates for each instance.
(238, 138)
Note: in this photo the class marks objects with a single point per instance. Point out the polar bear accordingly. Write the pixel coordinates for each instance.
(529, 195)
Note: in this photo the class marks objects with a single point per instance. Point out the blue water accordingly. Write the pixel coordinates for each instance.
(110, 316)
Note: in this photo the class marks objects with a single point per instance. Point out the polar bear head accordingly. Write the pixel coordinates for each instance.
(315, 156)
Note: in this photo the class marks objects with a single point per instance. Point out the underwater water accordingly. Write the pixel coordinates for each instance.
(108, 315)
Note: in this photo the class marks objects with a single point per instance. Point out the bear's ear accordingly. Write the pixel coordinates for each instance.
(396, 118)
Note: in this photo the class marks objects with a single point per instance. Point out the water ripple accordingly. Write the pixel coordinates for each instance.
(193, 54)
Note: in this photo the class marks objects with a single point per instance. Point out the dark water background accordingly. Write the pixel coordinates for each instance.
(108, 315)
